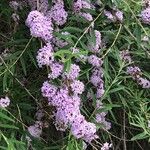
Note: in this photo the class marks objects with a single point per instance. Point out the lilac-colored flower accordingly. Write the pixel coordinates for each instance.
(56, 70)
(95, 61)
(4, 102)
(106, 146)
(144, 83)
(114, 17)
(125, 56)
(95, 47)
(58, 1)
(40, 5)
(40, 26)
(87, 16)
(101, 117)
(86, 4)
(96, 77)
(58, 14)
(48, 90)
(45, 55)
(82, 129)
(95, 80)
(61, 99)
(100, 91)
(77, 87)
(145, 15)
(119, 15)
(34, 17)
(135, 71)
(73, 72)
(36, 129)
(60, 121)
(77, 6)
(80, 4)
(109, 15)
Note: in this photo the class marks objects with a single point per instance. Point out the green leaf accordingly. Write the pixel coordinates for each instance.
(140, 136)
(8, 126)
(6, 117)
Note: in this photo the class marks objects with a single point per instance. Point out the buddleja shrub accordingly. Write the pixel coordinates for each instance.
(74, 74)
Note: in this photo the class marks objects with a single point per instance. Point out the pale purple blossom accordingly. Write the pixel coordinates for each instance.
(145, 15)
(109, 15)
(77, 6)
(58, 14)
(106, 146)
(48, 90)
(95, 47)
(125, 56)
(40, 5)
(95, 61)
(135, 72)
(45, 55)
(119, 15)
(100, 91)
(4, 102)
(101, 117)
(36, 129)
(56, 70)
(77, 87)
(145, 83)
(96, 77)
(80, 4)
(40, 26)
(73, 72)
(87, 16)
(82, 129)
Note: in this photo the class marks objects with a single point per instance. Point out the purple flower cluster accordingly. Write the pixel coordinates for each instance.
(145, 15)
(95, 47)
(58, 14)
(96, 80)
(136, 73)
(56, 70)
(77, 87)
(45, 55)
(36, 129)
(106, 146)
(40, 5)
(101, 117)
(81, 4)
(95, 61)
(65, 97)
(125, 56)
(40, 26)
(118, 15)
(4, 102)
(68, 110)
(73, 72)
